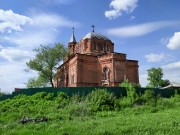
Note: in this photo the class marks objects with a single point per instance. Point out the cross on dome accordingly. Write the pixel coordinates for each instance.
(73, 29)
(93, 27)
(73, 39)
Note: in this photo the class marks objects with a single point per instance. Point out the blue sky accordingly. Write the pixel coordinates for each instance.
(146, 30)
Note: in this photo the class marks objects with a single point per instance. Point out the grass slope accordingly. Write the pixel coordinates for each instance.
(97, 114)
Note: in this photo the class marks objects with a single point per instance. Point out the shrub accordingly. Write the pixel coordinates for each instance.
(176, 97)
(149, 98)
(148, 95)
(131, 91)
(49, 96)
(80, 109)
(1, 93)
(165, 103)
(39, 95)
(101, 99)
(62, 99)
(125, 102)
(128, 84)
(62, 96)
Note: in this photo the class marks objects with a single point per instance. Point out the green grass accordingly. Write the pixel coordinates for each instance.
(165, 122)
(77, 116)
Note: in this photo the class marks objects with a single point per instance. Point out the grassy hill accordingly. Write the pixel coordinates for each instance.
(97, 113)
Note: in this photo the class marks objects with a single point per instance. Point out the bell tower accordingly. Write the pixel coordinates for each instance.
(72, 43)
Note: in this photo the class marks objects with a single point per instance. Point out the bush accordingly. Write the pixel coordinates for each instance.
(101, 99)
(39, 95)
(149, 98)
(125, 102)
(62, 99)
(165, 103)
(80, 109)
(176, 97)
(148, 95)
(131, 91)
(1, 93)
(49, 96)
(129, 85)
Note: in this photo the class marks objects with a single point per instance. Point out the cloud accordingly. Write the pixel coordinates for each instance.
(143, 80)
(155, 57)
(52, 20)
(119, 6)
(140, 29)
(1, 47)
(44, 29)
(132, 17)
(13, 76)
(12, 21)
(172, 71)
(174, 66)
(13, 54)
(152, 57)
(38, 28)
(31, 40)
(164, 40)
(174, 42)
(57, 1)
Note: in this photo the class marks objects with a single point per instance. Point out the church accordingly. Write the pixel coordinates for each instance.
(93, 62)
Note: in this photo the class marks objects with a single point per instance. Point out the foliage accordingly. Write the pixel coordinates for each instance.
(165, 83)
(95, 113)
(45, 62)
(131, 90)
(149, 98)
(1, 93)
(37, 82)
(62, 99)
(129, 85)
(100, 100)
(155, 76)
(148, 95)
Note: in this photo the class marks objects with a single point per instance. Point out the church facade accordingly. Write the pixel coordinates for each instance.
(93, 62)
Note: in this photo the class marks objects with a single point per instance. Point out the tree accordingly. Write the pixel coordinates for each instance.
(1, 93)
(155, 76)
(47, 58)
(165, 83)
(37, 82)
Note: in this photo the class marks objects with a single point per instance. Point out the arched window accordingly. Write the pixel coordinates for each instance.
(72, 79)
(94, 46)
(107, 46)
(62, 79)
(106, 73)
(66, 79)
(101, 47)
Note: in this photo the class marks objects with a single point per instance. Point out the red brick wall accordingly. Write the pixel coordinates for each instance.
(86, 67)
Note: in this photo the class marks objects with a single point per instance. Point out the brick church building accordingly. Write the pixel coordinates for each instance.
(93, 62)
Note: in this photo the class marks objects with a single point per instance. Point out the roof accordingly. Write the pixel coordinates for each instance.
(91, 35)
(72, 39)
(172, 85)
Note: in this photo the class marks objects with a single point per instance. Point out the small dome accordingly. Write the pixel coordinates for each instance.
(96, 35)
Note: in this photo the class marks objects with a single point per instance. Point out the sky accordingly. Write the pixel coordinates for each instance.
(146, 30)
